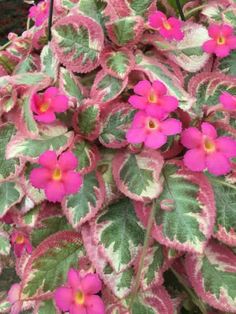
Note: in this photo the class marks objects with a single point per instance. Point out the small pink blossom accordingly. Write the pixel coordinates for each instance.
(153, 99)
(45, 105)
(222, 42)
(20, 243)
(56, 176)
(39, 13)
(78, 296)
(151, 131)
(228, 101)
(207, 151)
(169, 28)
(14, 298)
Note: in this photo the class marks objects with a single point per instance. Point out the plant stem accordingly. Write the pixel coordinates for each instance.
(144, 252)
(50, 20)
(179, 7)
(192, 295)
(191, 12)
(5, 46)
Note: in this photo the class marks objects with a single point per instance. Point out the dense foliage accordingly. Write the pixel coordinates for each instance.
(117, 159)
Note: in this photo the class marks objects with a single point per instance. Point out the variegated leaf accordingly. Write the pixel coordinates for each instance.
(45, 307)
(213, 276)
(10, 194)
(49, 62)
(28, 64)
(92, 8)
(78, 42)
(142, 7)
(84, 205)
(185, 210)
(121, 283)
(118, 63)
(107, 87)
(48, 265)
(155, 70)
(125, 31)
(138, 176)
(27, 116)
(5, 245)
(116, 120)
(118, 234)
(228, 64)
(30, 149)
(9, 168)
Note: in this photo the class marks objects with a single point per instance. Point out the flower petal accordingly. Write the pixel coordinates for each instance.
(138, 102)
(60, 103)
(48, 159)
(40, 177)
(72, 182)
(195, 160)
(91, 284)
(46, 117)
(209, 46)
(214, 30)
(136, 135)
(228, 101)
(73, 278)
(63, 297)
(78, 309)
(226, 30)
(218, 164)
(14, 293)
(222, 51)
(142, 88)
(159, 88)
(94, 305)
(231, 42)
(169, 103)
(50, 93)
(68, 161)
(208, 130)
(55, 191)
(155, 140)
(156, 19)
(227, 146)
(171, 127)
(191, 138)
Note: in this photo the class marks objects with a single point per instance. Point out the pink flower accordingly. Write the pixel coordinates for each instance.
(151, 131)
(228, 101)
(79, 294)
(153, 99)
(20, 243)
(56, 176)
(169, 28)
(206, 151)
(39, 13)
(14, 298)
(45, 105)
(222, 42)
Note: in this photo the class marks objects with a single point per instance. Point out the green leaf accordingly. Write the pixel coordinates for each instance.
(120, 234)
(49, 62)
(49, 264)
(5, 245)
(5, 306)
(29, 79)
(48, 227)
(8, 167)
(70, 84)
(140, 6)
(187, 224)
(29, 148)
(10, 194)
(87, 155)
(27, 65)
(228, 64)
(47, 307)
(28, 118)
(137, 176)
(83, 205)
(93, 8)
(88, 120)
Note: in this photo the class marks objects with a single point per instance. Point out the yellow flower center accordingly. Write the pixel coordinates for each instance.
(209, 145)
(44, 107)
(221, 40)
(56, 175)
(167, 25)
(152, 98)
(152, 124)
(79, 297)
(20, 239)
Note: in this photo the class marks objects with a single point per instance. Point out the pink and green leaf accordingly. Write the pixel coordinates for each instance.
(11, 193)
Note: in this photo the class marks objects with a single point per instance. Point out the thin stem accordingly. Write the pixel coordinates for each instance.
(179, 7)
(191, 12)
(28, 24)
(192, 295)
(5, 46)
(50, 20)
(144, 252)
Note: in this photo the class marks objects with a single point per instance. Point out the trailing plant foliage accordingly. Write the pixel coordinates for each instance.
(117, 159)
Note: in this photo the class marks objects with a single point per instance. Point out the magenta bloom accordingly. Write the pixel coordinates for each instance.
(153, 99)
(45, 105)
(79, 294)
(20, 243)
(56, 176)
(169, 28)
(228, 101)
(222, 42)
(39, 13)
(14, 298)
(206, 151)
(151, 131)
